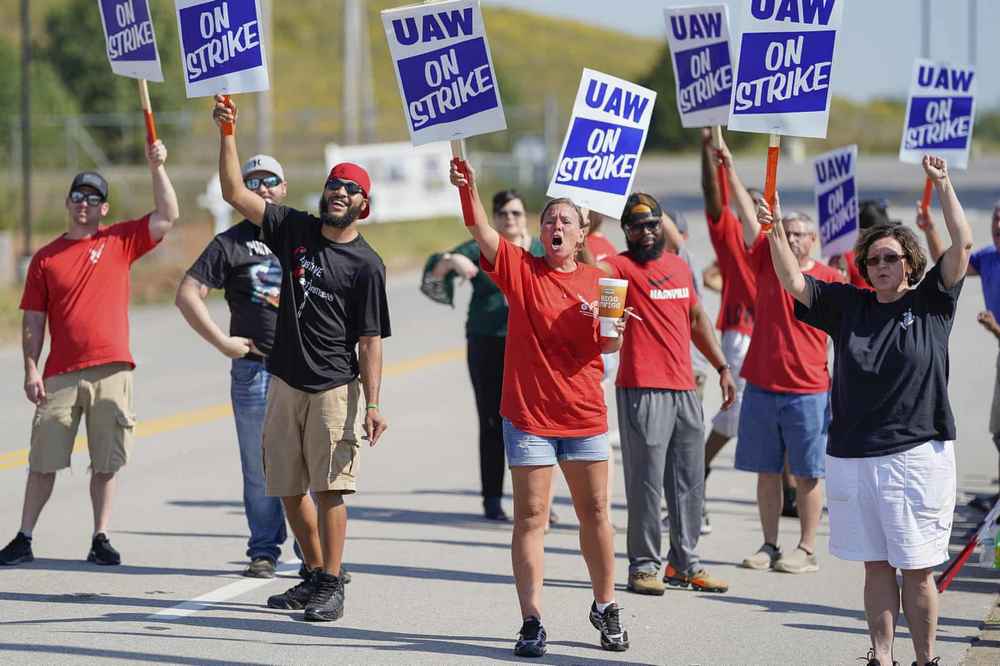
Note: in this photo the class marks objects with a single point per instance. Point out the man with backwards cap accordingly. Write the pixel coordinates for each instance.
(79, 285)
(238, 262)
(323, 394)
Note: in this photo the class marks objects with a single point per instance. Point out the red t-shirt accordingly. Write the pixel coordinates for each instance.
(83, 288)
(854, 275)
(739, 282)
(600, 246)
(552, 362)
(656, 352)
(785, 355)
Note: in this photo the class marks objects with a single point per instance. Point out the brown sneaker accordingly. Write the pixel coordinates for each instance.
(646, 582)
(700, 581)
(763, 559)
(797, 562)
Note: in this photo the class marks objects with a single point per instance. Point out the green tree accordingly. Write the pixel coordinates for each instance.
(665, 130)
(75, 49)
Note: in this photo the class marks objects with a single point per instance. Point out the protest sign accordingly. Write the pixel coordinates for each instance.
(130, 39)
(784, 67)
(940, 113)
(444, 70)
(703, 70)
(837, 199)
(601, 151)
(222, 47)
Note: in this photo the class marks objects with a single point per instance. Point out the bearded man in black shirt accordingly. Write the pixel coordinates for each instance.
(326, 363)
(890, 465)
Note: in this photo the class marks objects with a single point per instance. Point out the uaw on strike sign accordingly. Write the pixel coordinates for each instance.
(221, 47)
(837, 199)
(785, 62)
(130, 40)
(444, 70)
(601, 150)
(703, 70)
(939, 114)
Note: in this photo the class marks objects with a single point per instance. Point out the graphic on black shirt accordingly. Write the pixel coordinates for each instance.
(332, 295)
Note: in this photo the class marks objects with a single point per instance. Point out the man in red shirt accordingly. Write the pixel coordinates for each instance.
(739, 281)
(79, 285)
(786, 401)
(659, 412)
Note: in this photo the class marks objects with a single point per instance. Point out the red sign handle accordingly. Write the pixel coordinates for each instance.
(228, 129)
(771, 176)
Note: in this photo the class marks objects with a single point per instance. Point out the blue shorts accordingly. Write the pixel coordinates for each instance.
(773, 423)
(526, 450)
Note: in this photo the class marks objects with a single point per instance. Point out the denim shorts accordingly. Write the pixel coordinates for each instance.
(526, 450)
(772, 424)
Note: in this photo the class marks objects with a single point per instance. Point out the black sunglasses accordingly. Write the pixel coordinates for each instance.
(640, 227)
(350, 186)
(889, 259)
(91, 199)
(254, 182)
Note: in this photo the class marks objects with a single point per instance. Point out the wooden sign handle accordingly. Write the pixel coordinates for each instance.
(771, 175)
(147, 111)
(464, 193)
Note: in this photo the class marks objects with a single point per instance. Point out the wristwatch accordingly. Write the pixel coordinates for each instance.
(724, 366)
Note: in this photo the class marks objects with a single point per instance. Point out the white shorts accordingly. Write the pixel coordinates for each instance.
(734, 348)
(895, 508)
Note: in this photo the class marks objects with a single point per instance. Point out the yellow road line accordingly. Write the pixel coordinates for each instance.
(19, 458)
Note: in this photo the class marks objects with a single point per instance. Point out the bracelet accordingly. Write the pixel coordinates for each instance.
(372, 405)
(721, 368)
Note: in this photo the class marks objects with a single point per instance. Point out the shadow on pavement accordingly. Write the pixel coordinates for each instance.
(901, 633)
(104, 654)
(82, 566)
(101, 599)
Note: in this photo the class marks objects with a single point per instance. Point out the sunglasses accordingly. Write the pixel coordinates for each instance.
(254, 182)
(91, 199)
(350, 186)
(637, 228)
(887, 259)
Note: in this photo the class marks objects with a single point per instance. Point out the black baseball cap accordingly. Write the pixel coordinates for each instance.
(91, 179)
(641, 206)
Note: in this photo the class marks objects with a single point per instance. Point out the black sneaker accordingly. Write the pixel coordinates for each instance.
(936, 661)
(305, 572)
(872, 661)
(260, 567)
(327, 601)
(531, 639)
(294, 598)
(609, 623)
(17, 551)
(102, 552)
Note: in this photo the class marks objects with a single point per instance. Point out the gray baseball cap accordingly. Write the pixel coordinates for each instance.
(263, 163)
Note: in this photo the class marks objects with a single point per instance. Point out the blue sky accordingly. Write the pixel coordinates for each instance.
(875, 51)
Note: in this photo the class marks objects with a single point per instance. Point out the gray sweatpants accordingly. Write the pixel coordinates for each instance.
(663, 450)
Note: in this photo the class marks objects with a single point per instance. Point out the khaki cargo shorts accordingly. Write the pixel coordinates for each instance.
(103, 394)
(311, 441)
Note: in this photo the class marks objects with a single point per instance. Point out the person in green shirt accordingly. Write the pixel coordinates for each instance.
(486, 333)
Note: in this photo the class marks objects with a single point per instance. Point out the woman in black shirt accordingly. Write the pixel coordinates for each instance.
(890, 463)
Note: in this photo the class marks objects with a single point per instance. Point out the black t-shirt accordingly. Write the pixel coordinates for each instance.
(238, 262)
(890, 379)
(331, 295)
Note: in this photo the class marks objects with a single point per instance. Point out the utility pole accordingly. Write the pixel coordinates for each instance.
(973, 31)
(925, 41)
(350, 99)
(369, 113)
(25, 137)
(264, 100)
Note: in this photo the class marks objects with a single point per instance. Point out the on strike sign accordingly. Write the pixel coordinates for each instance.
(703, 70)
(940, 113)
(601, 150)
(444, 70)
(221, 47)
(130, 40)
(837, 199)
(785, 63)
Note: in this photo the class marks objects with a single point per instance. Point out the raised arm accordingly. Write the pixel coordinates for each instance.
(925, 222)
(162, 219)
(955, 260)
(785, 264)
(32, 338)
(711, 188)
(249, 204)
(745, 208)
(483, 233)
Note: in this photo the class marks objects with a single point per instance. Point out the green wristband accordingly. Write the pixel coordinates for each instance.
(372, 405)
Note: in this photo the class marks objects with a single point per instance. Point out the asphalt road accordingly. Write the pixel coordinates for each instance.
(432, 582)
